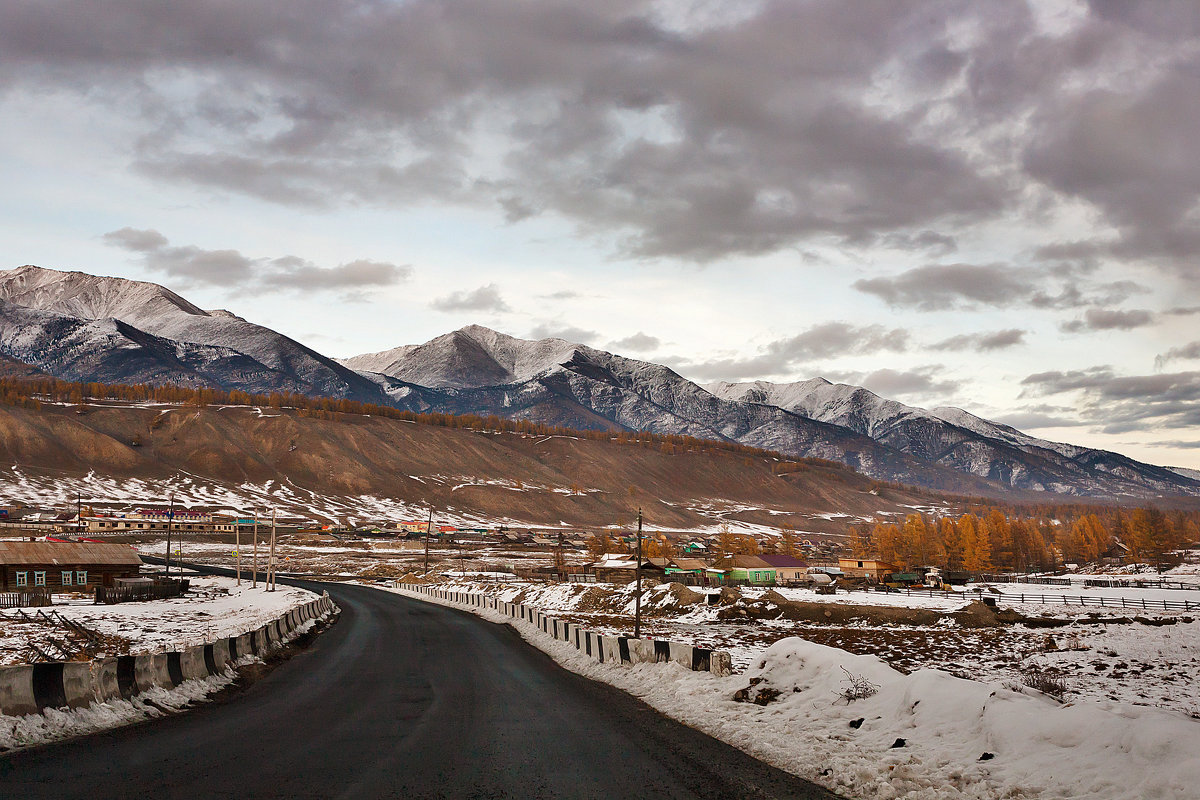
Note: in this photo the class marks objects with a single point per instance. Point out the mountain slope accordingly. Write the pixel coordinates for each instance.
(254, 357)
(562, 383)
(477, 370)
(363, 469)
(957, 439)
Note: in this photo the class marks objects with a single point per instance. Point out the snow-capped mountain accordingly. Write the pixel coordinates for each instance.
(86, 327)
(477, 370)
(958, 439)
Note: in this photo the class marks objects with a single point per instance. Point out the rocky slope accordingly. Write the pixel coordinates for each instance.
(84, 327)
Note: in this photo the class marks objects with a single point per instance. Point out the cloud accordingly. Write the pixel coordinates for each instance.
(930, 242)
(694, 137)
(142, 241)
(638, 342)
(983, 342)
(921, 381)
(828, 340)
(943, 286)
(570, 333)
(1182, 444)
(193, 265)
(1120, 403)
(1190, 351)
(1041, 417)
(1108, 319)
(485, 298)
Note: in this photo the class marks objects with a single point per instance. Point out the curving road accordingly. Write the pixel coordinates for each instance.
(403, 699)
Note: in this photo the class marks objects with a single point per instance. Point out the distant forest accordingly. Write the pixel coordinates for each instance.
(1031, 538)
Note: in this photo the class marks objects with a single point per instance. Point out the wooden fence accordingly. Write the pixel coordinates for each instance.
(111, 595)
(31, 598)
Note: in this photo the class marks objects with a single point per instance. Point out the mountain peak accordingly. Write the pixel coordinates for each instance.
(85, 296)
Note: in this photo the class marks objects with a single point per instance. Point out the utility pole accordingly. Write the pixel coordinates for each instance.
(428, 533)
(637, 598)
(170, 525)
(237, 549)
(254, 569)
(271, 558)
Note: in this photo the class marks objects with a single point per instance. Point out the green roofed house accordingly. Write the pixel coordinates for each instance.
(746, 569)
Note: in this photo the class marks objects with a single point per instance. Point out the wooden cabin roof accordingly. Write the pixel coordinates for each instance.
(64, 553)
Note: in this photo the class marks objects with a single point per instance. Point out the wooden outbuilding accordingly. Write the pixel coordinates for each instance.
(65, 566)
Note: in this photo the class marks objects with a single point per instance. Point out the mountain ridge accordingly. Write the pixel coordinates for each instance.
(82, 327)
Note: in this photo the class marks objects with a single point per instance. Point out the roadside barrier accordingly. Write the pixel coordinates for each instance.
(600, 648)
(30, 688)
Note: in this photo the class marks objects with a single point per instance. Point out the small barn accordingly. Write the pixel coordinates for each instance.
(65, 566)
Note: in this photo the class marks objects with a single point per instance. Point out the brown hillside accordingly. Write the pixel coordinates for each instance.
(492, 475)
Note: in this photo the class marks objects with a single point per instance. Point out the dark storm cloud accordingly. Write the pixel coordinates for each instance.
(781, 356)
(230, 268)
(485, 298)
(983, 342)
(1120, 403)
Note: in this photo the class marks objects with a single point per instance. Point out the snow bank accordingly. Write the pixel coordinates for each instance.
(54, 724)
(961, 738)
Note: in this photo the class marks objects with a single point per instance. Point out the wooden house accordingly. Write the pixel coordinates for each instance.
(788, 569)
(746, 569)
(621, 568)
(65, 566)
(870, 568)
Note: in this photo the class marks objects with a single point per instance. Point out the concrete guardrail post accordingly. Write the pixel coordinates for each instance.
(16, 691)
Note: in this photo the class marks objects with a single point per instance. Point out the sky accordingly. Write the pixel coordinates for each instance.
(991, 205)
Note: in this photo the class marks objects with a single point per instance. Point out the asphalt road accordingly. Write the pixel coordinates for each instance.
(404, 699)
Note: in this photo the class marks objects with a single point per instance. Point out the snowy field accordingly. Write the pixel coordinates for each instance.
(864, 729)
(213, 608)
(1094, 657)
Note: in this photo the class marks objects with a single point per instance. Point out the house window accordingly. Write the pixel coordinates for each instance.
(22, 579)
(81, 577)
(39, 578)
(66, 578)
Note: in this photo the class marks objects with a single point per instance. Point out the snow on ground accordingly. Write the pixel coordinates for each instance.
(926, 735)
(1096, 658)
(213, 608)
(56, 724)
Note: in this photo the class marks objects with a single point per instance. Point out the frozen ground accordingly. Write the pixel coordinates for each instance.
(213, 608)
(924, 735)
(1094, 657)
